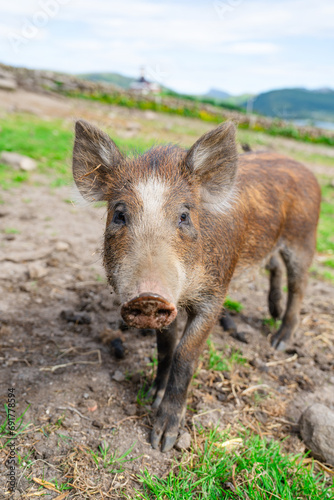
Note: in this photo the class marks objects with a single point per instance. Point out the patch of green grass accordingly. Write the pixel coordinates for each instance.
(327, 275)
(6, 435)
(100, 279)
(233, 305)
(59, 422)
(50, 143)
(321, 273)
(329, 263)
(325, 241)
(218, 361)
(10, 178)
(64, 438)
(143, 398)
(25, 460)
(11, 230)
(255, 470)
(56, 484)
(111, 459)
(273, 324)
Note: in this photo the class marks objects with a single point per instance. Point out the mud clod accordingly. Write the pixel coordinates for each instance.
(117, 348)
(79, 317)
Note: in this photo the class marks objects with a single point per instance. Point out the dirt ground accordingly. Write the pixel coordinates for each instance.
(58, 318)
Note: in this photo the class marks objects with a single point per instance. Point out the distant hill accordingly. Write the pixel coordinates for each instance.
(295, 103)
(225, 97)
(217, 94)
(114, 78)
(239, 100)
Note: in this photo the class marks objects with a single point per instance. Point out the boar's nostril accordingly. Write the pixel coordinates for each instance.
(148, 311)
(136, 312)
(162, 312)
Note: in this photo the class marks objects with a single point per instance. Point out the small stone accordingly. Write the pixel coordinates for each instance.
(52, 262)
(227, 323)
(91, 405)
(221, 396)
(184, 442)
(97, 424)
(62, 246)
(261, 417)
(259, 364)
(70, 420)
(86, 395)
(37, 270)
(133, 126)
(118, 376)
(317, 431)
(17, 161)
(240, 336)
(131, 410)
(151, 115)
(8, 83)
(228, 486)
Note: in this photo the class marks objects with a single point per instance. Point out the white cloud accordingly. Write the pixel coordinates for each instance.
(257, 44)
(251, 48)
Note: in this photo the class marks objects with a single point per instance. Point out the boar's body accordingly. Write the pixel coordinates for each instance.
(180, 224)
(276, 207)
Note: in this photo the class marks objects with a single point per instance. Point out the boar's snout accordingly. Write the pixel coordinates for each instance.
(148, 310)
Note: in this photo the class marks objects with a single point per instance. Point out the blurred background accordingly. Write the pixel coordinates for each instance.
(274, 57)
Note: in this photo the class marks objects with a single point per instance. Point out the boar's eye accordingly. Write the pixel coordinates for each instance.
(119, 218)
(184, 219)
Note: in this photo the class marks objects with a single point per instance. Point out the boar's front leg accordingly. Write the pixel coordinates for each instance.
(173, 405)
(166, 341)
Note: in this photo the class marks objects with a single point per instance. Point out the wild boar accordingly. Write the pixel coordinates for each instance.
(179, 225)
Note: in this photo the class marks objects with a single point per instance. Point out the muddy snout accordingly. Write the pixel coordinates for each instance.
(148, 310)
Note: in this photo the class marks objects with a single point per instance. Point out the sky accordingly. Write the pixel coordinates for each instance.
(239, 46)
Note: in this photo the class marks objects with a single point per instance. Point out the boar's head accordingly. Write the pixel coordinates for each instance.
(159, 205)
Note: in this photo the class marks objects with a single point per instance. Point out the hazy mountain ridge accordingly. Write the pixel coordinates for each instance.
(217, 94)
(296, 103)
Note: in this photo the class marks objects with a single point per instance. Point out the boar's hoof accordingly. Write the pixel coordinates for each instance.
(148, 310)
(278, 342)
(168, 441)
(166, 427)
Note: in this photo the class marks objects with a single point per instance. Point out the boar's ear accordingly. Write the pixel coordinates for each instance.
(95, 156)
(213, 162)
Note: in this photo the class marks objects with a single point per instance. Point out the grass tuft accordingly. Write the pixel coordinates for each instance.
(219, 361)
(222, 469)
